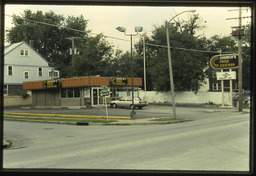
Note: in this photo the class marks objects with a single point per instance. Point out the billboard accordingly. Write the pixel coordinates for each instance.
(224, 61)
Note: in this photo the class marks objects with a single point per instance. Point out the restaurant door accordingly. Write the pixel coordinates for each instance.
(96, 99)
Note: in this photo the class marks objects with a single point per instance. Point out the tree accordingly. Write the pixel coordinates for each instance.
(188, 66)
(247, 61)
(94, 57)
(50, 34)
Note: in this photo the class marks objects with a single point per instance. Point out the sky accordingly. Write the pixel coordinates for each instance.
(105, 19)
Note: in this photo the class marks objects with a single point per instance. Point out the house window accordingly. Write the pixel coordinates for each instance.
(5, 89)
(24, 52)
(9, 70)
(26, 75)
(40, 71)
(216, 86)
(70, 93)
(54, 74)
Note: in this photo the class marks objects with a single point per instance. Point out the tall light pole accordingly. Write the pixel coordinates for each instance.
(137, 30)
(170, 61)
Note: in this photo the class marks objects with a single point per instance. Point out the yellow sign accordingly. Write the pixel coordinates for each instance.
(118, 81)
(224, 61)
(51, 84)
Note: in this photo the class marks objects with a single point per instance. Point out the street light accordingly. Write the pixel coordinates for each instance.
(170, 61)
(137, 30)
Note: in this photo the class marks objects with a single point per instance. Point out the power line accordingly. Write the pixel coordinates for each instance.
(184, 49)
(59, 26)
(106, 36)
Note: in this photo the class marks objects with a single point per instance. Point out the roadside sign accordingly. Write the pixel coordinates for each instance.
(118, 81)
(103, 94)
(226, 75)
(224, 61)
(52, 84)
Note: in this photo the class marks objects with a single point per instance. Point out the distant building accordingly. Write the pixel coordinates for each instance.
(81, 91)
(22, 63)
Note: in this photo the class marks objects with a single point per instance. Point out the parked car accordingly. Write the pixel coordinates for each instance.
(127, 102)
(245, 97)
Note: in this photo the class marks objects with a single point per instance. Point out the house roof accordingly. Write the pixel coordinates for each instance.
(11, 47)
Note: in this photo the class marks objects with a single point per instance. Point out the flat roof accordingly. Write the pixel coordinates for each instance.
(82, 82)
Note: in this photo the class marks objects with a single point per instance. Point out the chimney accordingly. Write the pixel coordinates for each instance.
(31, 43)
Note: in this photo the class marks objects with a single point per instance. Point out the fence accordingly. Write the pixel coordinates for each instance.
(17, 101)
(201, 97)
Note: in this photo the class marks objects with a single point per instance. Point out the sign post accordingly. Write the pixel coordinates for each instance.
(104, 93)
(231, 90)
(225, 61)
(222, 90)
(106, 107)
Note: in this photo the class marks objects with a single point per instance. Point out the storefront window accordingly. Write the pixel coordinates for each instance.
(70, 93)
(63, 93)
(77, 92)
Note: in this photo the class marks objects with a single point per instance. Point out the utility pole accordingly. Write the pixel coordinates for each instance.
(73, 51)
(239, 32)
(240, 94)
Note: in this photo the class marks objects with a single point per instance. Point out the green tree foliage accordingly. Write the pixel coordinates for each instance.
(94, 56)
(247, 61)
(188, 66)
(52, 33)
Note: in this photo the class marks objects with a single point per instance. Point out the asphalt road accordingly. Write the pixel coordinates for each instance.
(151, 111)
(220, 143)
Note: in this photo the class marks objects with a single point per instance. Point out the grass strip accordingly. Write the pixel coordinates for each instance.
(47, 119)
(67, 116)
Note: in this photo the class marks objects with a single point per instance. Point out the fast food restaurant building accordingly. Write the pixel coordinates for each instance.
(80, 91)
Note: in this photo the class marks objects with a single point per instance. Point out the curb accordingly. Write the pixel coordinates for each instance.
(67, 116)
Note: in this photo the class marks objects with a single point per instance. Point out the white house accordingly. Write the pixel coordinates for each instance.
(22, 64)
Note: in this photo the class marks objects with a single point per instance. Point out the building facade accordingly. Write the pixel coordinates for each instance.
(23, 63)
(81, 91)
